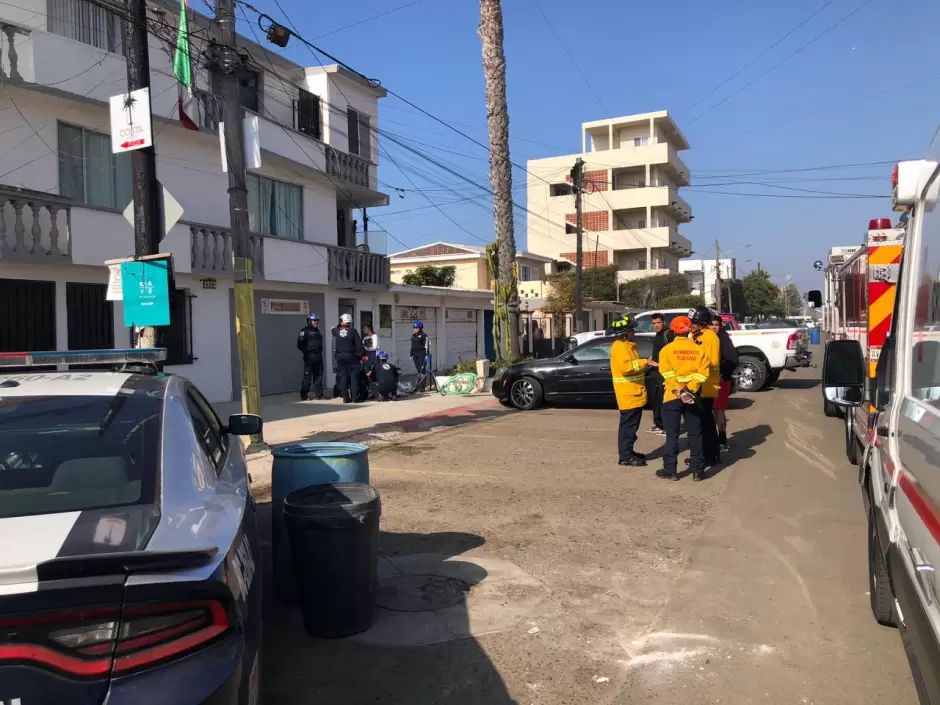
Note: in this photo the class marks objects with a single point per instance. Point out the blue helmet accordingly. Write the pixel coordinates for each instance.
(418, 324)
(312, 317)
(382, 355)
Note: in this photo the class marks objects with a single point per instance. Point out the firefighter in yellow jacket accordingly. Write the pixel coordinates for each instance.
(629, 376)
(708, 340)
(685, 369)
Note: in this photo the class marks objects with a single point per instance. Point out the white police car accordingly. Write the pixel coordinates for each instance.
(129, 556)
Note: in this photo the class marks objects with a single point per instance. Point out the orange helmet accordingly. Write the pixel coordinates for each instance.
(681, 325)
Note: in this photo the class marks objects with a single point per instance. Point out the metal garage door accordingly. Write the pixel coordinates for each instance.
(405, 316)
(461, 335)
(279, 316)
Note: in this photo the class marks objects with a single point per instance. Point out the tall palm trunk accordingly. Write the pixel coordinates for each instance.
(497, 115)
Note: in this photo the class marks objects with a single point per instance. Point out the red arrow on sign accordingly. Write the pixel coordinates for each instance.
(133, 143)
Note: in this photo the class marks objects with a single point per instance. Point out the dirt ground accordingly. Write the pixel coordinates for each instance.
(750, 587)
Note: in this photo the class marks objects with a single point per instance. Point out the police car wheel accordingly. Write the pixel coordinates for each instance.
(526, 393)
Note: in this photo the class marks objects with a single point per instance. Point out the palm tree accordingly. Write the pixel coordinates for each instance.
(497, 115)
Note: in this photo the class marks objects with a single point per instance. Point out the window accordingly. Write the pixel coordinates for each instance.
(207, 426)
(249, 90)
(90, 316)
(641, 223)
(86, 22)
(528, 273)
(925, 367)
(274, 207)
(593, 353)
(359, 133)
(71, 453)
(385, 316)
(560, 190)
(641, 141)
(308, 114)
(88, 173)
(27, 315)
(177, 337)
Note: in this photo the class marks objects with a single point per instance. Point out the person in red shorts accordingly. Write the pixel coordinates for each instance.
(729, 362)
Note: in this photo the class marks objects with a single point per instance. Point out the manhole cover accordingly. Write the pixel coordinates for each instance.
(421, 593)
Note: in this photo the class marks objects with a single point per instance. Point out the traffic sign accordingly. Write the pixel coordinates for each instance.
(131, 126)
(172, 211)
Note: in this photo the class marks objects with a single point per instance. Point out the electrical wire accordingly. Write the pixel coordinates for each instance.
(368, 19)
(750, 83)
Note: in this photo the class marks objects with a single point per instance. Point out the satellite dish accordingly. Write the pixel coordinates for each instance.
(818, 265)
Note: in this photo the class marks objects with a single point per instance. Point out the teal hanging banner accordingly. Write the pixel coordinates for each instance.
(146, 290)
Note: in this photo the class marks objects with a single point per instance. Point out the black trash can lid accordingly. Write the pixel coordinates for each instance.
(332, 500)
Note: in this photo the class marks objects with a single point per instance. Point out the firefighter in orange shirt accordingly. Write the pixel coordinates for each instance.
(685, 368)
(628, 371)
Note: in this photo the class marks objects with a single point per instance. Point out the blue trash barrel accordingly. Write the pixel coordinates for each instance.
(300, 465)
(814, 336)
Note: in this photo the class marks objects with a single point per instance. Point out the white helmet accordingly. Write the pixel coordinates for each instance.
(345, 319)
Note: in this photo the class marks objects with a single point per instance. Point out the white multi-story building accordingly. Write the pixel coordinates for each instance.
(62, 194)
(703, 275)
(631, 208)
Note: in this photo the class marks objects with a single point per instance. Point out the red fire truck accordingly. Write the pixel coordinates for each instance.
(862, 290)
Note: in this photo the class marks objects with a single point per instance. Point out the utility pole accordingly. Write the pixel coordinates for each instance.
(497, 116)
(717, 276)
(148, 222)
(577, 185)
(228, 64)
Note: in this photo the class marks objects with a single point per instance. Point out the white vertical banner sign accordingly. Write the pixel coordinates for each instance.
(251, 136)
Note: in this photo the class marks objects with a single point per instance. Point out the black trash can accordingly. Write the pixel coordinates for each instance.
(334, 543)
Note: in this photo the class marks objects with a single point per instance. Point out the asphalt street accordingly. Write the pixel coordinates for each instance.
(585, 582)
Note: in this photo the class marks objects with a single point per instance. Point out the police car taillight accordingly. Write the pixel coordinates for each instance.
(97, 642)
(83, 357)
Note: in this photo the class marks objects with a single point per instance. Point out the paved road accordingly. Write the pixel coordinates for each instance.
(590, 583)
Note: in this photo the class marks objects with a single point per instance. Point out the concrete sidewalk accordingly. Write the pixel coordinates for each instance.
(289, 420)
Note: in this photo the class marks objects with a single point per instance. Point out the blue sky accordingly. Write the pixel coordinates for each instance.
(867, 91)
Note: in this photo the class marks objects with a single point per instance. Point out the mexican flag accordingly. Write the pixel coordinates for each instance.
(183, 70)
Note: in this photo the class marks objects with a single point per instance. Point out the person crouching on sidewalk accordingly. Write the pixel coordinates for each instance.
(685, 368)
(628, 371)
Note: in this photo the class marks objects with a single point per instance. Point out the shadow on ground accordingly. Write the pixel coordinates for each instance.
(301, 670)
(743, 446)
(795, 383)
(737, 403)
(421, 424)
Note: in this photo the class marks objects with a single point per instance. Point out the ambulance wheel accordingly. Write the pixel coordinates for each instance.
(830, 409)
(851, 446)
(879, 586)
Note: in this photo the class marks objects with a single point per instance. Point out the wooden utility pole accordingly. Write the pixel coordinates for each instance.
(228, 64)
(577, 185)
(148, 222)
(717, 277)
(497, 115)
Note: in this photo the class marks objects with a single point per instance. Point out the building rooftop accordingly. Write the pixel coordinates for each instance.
(445, 250)
(660, 116)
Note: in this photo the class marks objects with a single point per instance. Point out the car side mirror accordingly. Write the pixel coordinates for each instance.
(844, 373)
(571, 358)
(814, 298)
(244, 424)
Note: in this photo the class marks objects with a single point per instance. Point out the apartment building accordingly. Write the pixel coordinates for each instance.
(703, 275)
(632, 208)
(63, 193)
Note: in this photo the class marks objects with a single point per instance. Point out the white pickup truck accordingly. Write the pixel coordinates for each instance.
(763, 353)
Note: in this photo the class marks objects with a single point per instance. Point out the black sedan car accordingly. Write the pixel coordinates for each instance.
(579, 375)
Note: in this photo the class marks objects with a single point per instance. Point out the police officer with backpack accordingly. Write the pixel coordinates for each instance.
(349, 351)
(310, 344)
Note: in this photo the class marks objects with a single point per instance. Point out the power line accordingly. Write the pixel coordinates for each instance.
(783, 60)
(368, 19)
(761, 55)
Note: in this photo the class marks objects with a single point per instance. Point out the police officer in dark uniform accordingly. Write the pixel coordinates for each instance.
(310, 343)
(384, 377)
(349, 353)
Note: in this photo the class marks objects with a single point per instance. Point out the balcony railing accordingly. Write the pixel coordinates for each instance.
(350, 268)
(10, 60)
(34, 226)
(212, 251)
(347, 167)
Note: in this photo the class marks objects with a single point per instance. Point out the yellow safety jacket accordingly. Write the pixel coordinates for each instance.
(628, 373)
(682, 363)
(707, 339)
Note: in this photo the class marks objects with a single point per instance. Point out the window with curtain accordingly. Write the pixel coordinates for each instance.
(275, 207)
(86, 22)
(89, 173)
